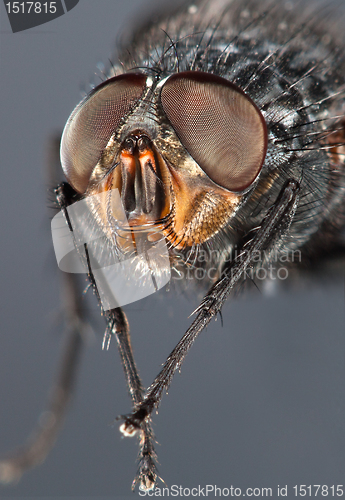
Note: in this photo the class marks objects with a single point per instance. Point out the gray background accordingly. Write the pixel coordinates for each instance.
(260, 402)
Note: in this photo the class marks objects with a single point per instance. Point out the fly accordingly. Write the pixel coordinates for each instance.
(216, 148)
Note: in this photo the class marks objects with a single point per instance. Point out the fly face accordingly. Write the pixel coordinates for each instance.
(223, 138)
(184, 152)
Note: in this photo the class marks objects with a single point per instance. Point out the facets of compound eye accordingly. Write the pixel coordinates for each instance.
(93, 122)
(219, 125)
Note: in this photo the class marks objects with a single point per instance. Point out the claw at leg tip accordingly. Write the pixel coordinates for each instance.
(128, 430)
(147, 484)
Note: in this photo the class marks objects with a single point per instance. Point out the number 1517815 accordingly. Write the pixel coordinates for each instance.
(31, 7)
(318, 489)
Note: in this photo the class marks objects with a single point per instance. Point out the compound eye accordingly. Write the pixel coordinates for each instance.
(93, 122)
(219, 126)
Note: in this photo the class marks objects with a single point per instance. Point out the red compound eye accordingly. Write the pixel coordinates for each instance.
(219, 125)
(93, 122)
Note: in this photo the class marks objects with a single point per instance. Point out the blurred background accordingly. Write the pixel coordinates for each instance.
(260, 401)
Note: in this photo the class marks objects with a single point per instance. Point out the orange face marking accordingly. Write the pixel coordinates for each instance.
(147, 158)
(199, 210)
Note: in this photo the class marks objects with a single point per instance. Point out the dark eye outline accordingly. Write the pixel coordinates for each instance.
(232, 156)
(93, 122)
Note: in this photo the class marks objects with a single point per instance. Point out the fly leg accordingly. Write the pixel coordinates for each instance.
(117, 326)
(272, 229)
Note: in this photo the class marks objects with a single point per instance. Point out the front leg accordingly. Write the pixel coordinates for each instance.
(118, 326)
(273, 228)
